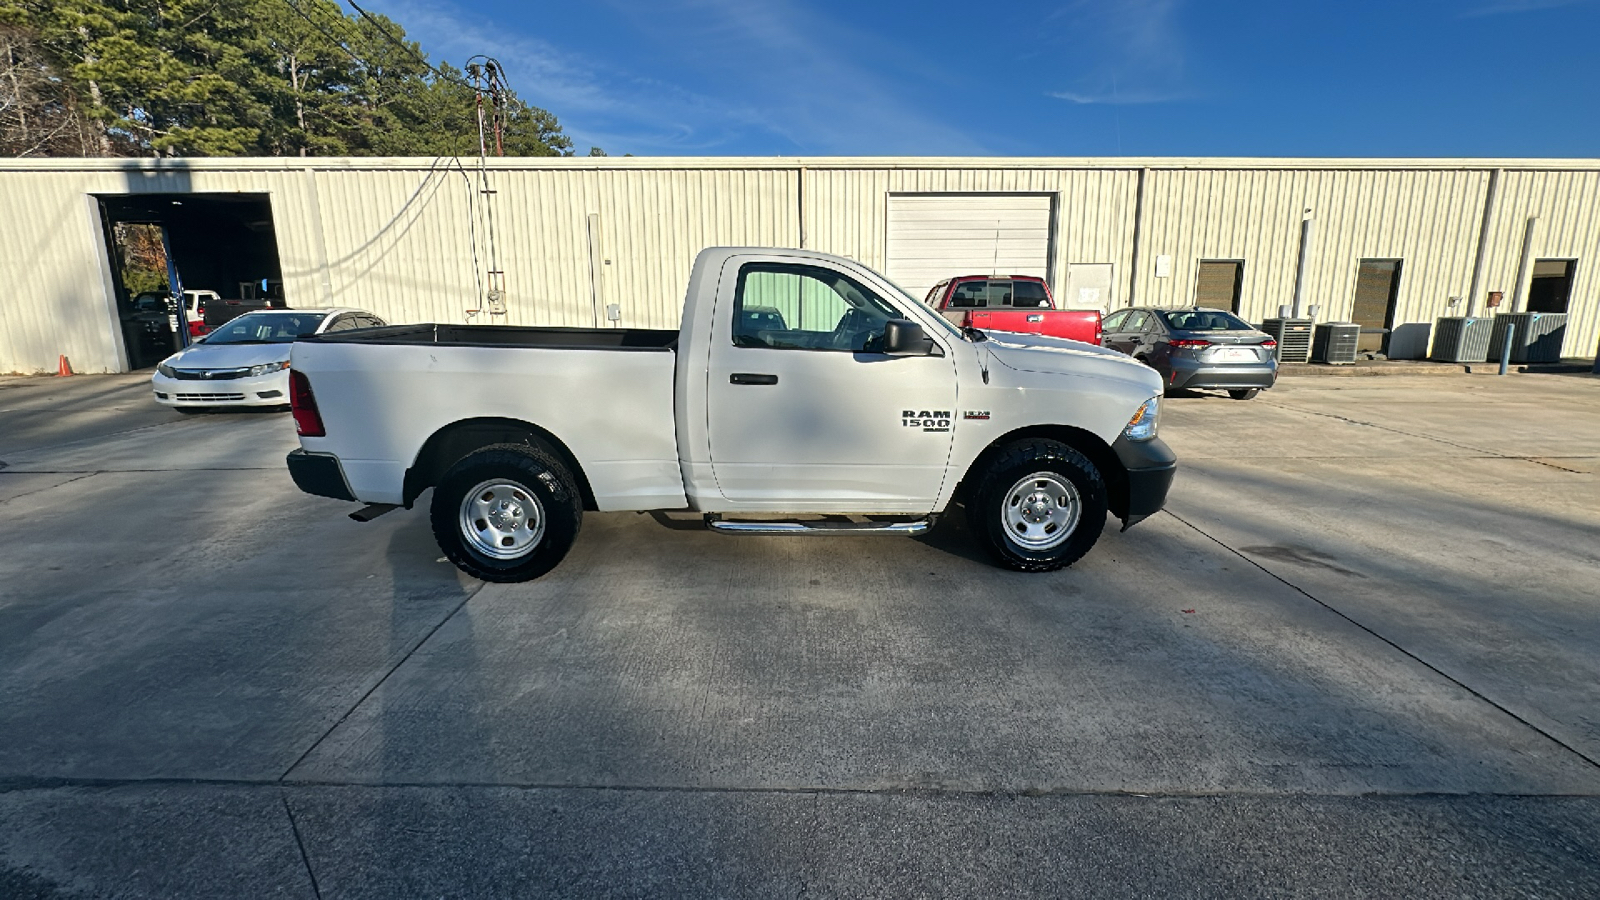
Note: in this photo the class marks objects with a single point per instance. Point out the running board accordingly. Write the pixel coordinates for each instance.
(909, 529)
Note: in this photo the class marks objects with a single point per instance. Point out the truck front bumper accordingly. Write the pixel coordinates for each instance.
(319, 474)
(1150, 467)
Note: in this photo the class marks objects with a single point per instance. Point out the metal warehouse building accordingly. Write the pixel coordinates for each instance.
(595, 242)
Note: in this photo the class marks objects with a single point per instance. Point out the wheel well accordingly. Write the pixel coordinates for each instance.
(1085, 442)
(449, 444)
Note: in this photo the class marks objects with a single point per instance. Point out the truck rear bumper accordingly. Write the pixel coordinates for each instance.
(1151, 466)
(319, 474)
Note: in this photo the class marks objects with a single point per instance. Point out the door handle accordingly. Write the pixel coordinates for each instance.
(751, 378)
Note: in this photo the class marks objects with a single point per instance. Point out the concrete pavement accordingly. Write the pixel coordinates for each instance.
(1358, 656)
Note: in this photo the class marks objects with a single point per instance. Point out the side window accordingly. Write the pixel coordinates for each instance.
(1137, 322)
(1114, 321)
(1030, 295)
(792, 307)
(343, 323)
(935, 293)
(970, 295)
(368, 322)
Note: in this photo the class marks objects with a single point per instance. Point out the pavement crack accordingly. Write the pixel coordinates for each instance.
(300, 842)
(51, 487)
(379, 683)
(1346, 419)
(1403, 651)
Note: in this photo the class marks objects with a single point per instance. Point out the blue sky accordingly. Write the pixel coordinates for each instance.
(1082, 78)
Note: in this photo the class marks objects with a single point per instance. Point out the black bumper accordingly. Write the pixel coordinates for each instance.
(1150, 466)
(318, 474)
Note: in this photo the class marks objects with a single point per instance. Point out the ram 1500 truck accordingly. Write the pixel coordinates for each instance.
(1019, 303)
(803, 394)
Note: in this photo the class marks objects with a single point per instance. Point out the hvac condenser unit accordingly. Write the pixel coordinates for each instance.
(1535, 337)
(1460, 339)
(1293, 337)
(1335, 343)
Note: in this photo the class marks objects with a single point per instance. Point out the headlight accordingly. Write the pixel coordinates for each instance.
(166, 370)
(268, 367)
(1142, 427)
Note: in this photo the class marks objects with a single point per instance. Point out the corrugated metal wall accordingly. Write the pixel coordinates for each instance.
(1429, 219)
(1568, 207)
(399, 237)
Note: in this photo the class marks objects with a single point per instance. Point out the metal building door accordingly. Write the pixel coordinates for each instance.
(1377, 287)
(1088, 287)
(1217, 284)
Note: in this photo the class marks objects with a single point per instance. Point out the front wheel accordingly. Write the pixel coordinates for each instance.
(508, 512)
(1040, 505)
(1246, 394)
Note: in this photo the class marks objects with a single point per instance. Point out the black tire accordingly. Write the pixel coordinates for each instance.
(1245, 394)
(542, 479)
(989, 502)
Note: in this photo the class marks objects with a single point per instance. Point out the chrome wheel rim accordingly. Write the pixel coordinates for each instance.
(502, 519)
(1041, 511)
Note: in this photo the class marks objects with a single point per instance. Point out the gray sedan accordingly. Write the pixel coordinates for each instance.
(1196, 348)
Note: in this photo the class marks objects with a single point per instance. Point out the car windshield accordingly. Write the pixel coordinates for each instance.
(1204, 320)
(266, 328)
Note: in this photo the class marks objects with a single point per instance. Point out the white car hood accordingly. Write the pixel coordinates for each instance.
(1038, 353)
(228, 356)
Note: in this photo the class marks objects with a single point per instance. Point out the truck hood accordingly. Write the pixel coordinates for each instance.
(1037, 353)
(228, 356)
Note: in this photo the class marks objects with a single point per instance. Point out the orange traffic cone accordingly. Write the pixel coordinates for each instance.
(63, 367)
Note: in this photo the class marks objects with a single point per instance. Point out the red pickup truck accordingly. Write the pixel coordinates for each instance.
(1020, 303)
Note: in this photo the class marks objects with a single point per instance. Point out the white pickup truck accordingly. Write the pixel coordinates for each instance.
(804, 394)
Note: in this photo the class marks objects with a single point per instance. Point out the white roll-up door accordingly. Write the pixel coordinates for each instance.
(935, 236)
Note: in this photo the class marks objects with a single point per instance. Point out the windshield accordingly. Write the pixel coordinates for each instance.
(1204, 320)
(266, 328)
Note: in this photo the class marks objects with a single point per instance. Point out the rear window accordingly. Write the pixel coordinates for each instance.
(969, 295)
(1029, 295)
(1204, 320)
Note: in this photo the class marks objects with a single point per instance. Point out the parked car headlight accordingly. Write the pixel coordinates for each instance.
(167, 370)
(1142, 427)
(264, 368)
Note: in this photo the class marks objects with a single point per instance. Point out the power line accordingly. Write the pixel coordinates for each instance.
(337, 42)
(408, 48)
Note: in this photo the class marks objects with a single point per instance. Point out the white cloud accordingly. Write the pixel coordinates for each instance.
(781, 72)
(1120, 52)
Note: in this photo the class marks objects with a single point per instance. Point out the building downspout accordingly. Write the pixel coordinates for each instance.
(1138, 234)
(1526, 265)
(1300, 272)
(1483, 241)
(800, 204)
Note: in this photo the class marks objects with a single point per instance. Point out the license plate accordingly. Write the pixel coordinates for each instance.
(1237, 354)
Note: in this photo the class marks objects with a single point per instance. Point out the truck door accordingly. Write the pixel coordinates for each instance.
(804, 413)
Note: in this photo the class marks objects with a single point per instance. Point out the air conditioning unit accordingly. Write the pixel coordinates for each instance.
(1409, 340)
(1460, 339)
(1335, 343)
(1535, 337)
(1293, 337)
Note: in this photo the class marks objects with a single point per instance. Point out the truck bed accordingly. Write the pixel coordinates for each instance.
(508, 336)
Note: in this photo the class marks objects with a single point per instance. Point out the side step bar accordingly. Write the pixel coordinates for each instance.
(910, 529)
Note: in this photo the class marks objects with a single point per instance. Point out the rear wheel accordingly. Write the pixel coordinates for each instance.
(1040, 505)
(1246, 394)
(507, 512)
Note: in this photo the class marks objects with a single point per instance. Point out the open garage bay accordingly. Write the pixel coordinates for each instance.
(1358, 654)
